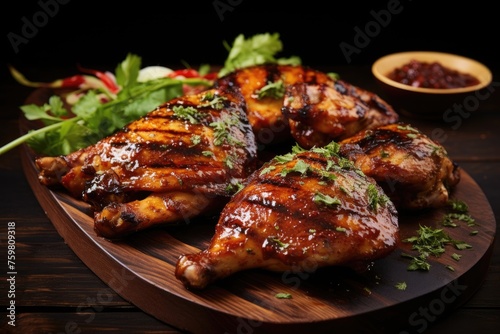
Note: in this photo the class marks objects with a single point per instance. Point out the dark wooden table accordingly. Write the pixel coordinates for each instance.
(55, 292)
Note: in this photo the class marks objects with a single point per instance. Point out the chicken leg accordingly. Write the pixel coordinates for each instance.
(180, 160)
(300, 209)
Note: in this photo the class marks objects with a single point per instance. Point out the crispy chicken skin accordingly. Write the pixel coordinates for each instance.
(173, 164)
(414, 171)
(262, 87)
(320, 113)
(302, 209)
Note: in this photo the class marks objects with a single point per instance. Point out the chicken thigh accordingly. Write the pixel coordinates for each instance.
(320, 113)
(414, 171)
(175, 163)
(263, 87)
(301, 209)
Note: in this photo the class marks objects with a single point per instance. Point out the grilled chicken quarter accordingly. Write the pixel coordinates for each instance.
(301, 210)
(414, 170)
(185, 158)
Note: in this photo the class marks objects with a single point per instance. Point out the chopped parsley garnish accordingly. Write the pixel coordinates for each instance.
(189, 113)
(212, 100)
(284, 158)
(222, 133)
(428, 242)
(437, 149)
(417, 262)
(195, 139)
(267, 169)
(460, 212)
(401, 285)
(325, 199)
(458, 206)
(300, 166)
(283, 295)
(229, 161)
(279, 242)
(235, 187)
(375, 198)
(411, 135)
(407, 128)
(274, 90)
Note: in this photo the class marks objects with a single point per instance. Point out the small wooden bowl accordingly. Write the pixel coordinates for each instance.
(422, 102)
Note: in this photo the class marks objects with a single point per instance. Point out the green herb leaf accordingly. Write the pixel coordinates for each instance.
(274, 90)
(326, 199)
(256, 50)
(283, 295)
(127, 71)
(401, 285)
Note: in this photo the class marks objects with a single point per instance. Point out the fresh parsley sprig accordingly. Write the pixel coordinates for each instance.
(96, 114)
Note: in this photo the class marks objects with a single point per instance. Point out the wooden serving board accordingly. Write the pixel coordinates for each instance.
(141, 269)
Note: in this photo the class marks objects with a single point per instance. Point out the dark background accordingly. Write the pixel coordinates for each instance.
(100, 33)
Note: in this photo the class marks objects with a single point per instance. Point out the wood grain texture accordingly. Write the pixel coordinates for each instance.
(140, 269)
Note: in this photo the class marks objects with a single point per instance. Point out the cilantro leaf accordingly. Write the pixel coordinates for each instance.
(256, 50)
(127, 72)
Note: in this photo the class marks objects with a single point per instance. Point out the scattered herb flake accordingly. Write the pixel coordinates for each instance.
(325, 199)
(375, 198)
(400, 285)
(283, 295)
(275, 90)
(189, 113)
(458, 206)
(280, 243)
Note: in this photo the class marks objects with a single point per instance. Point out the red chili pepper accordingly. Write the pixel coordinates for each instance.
(187, 73)
(211, 76)
(105, 79)
(73, 82)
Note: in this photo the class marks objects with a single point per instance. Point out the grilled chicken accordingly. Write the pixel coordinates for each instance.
(320, 113)
(263, 87)
(414, 171)
(302, 209)
(175, 163)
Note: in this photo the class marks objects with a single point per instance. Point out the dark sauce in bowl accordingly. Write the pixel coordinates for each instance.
(431, 75)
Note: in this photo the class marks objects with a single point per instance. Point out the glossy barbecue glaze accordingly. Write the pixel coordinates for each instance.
(320, 113)
(170, 165)
(414, 171)
(300, 211)
(264, 101)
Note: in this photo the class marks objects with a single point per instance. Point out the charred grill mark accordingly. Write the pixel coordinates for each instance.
(360, 110)
(273, 73)
(275, 206)
(382, 106)
(279, 182)
(340, 87)
(380, 137)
